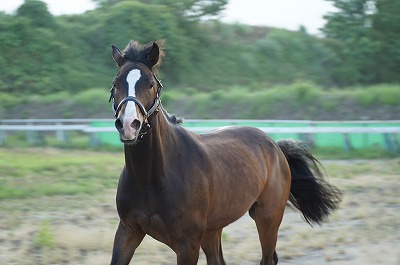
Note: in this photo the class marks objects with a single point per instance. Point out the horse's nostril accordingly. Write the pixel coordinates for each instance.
(119, 125)
(135, 124)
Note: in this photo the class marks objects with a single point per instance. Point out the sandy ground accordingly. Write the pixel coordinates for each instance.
(71, 230)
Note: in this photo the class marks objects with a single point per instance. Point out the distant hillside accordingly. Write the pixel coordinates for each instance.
(297, 101)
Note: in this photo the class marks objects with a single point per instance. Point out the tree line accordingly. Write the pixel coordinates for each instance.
(41, 53)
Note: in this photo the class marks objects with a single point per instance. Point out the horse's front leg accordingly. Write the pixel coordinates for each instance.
(125, 243)
(188, 253)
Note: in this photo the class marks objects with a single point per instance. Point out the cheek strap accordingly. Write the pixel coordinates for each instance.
(137, 102)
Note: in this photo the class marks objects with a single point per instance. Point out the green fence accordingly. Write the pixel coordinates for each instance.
(347, 140)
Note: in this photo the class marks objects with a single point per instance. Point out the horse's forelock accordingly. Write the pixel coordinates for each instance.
(136, 52)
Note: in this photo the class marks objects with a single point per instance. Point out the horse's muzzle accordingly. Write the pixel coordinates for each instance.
(128, 127)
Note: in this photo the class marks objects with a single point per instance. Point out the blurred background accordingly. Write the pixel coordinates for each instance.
(324, 71)
(324, 60)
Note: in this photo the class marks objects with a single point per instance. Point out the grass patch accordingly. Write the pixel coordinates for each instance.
(364, 153)
(36, 172)
(44, 236)
(74, 140)
(9, 100)
(387, 95)
(250, 102)
(262, 102)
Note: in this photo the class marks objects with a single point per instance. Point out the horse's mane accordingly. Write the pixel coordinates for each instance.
(172, 118)
(137, 52)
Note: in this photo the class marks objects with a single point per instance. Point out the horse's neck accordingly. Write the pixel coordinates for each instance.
(146, 158)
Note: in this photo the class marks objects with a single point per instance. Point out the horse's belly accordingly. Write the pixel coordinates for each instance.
(233, 195)
(228, 210)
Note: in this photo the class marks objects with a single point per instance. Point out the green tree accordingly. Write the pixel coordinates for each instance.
(9, 44)
(351, 28)
(286, 57)
(135, 20)
(189, 9)
(37, 12)
(30, 50)
(365, 35)
(386, 26)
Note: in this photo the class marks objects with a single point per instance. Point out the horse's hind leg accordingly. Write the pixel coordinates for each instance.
(267, 227)
(211, 246)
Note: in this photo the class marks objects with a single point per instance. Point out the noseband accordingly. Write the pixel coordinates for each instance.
(146, 114)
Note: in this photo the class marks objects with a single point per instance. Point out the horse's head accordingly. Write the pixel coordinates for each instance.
(135, 90)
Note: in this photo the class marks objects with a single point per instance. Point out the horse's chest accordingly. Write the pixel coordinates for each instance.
(145, 213)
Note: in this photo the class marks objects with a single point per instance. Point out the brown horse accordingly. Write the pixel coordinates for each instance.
(183, 188)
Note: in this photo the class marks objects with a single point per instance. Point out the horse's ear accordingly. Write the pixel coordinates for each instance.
(116, 54)
(154, 54)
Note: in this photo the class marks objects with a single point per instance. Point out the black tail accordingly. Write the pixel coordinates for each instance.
(310, 193)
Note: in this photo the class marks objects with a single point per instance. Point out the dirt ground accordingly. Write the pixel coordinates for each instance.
(80, 230)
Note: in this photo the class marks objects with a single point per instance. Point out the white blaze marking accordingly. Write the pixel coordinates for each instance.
(132, 78)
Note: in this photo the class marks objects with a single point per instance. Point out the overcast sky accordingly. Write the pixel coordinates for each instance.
(289, 14)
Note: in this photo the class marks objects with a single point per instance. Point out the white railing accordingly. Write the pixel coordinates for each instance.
(308, 128)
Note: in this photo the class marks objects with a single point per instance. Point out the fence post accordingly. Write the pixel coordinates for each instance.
(3, 137)
(30, 135)
(391, 143)
(60, 134)
(395, 142)
(93, 139)
(347, 142)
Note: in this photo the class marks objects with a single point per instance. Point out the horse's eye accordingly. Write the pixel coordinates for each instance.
(151, 85)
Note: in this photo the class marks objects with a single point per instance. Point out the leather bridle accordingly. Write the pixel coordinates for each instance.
(146, 113)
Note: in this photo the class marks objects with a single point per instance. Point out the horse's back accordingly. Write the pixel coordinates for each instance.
(240, 140)
(247, 147)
